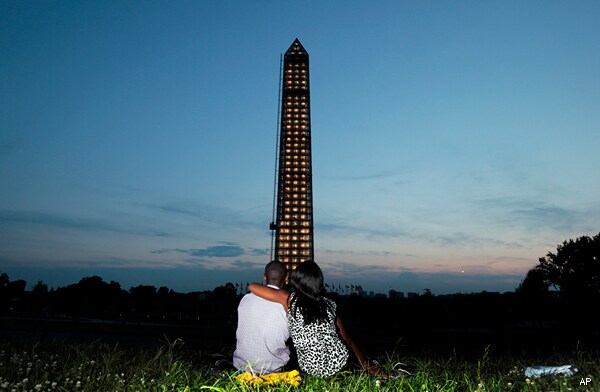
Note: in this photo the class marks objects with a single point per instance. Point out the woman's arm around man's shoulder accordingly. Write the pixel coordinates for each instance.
(270, 294)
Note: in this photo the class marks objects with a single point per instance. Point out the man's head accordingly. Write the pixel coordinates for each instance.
(275, 273)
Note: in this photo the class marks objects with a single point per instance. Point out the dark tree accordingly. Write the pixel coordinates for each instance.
(574, 270)
(535, 285)
(4, 298)
(91, 297)
(4, 280)
(143, 299)
(40, 288)
(39, 297)
(16, 288)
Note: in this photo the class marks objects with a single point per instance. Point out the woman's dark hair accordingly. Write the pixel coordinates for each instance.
(306, 282)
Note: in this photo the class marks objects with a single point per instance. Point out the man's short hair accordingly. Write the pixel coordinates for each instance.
(275, 271)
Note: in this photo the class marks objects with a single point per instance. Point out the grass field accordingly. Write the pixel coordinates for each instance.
(60, 365)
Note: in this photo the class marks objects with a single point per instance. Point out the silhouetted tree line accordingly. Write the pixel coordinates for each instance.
(564, 289)
(94, 298)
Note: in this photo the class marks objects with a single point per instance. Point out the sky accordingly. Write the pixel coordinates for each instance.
(454, 143)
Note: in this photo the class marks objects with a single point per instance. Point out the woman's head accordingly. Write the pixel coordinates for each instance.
(307, 278)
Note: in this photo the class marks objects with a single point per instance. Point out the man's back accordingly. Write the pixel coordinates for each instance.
(261, 335)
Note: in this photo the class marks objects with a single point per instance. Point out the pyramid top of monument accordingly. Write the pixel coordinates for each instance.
(296, 49)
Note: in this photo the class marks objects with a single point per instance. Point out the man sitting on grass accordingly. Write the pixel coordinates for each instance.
(262, 330)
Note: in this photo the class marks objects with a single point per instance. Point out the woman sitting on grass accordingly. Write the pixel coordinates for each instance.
(312, 321)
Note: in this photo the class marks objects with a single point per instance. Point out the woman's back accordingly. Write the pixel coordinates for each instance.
(320, 350)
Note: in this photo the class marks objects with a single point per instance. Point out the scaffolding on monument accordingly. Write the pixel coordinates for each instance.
(273, 226)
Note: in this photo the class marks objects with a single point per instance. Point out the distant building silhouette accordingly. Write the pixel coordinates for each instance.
(395, 294)
(293, 214)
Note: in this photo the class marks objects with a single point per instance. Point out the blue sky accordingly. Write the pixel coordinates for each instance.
(454, 143)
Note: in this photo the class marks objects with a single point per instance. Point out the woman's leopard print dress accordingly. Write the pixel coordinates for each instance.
(320, 350)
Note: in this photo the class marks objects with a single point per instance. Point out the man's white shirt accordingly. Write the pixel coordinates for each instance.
(261, 335)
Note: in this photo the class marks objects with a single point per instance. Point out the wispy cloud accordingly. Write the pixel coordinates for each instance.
(357, 270)
(549, 216)
(530, 213)
(465, 239)
(194, 211)
(212, 214)
(218, 251)
(243, 265)
(357, 253)
(226, 250)
(368, 176)
(193, 262)
(69, 222)
(58, 220)
(363, 231)
(90, 263)
(259, 252)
